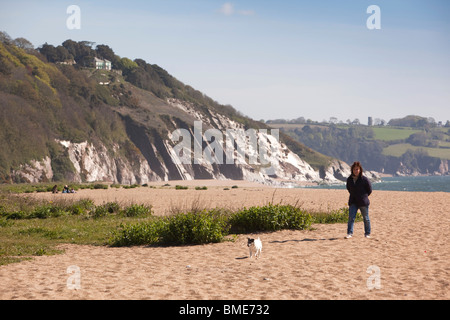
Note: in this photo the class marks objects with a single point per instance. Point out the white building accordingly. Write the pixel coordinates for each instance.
(102, 64)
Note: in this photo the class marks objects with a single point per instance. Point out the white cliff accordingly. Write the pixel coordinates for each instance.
(35, 171)
(225, 151)
(267, 161)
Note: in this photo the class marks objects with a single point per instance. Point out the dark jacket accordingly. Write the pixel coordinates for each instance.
(359, 191)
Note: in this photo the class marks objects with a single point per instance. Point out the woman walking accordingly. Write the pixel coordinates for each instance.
(360, 189)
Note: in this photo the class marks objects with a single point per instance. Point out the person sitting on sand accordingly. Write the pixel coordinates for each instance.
(55, 189)
(66, 189)
(360, 189)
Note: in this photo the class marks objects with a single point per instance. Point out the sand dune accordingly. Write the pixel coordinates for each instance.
(408, 252)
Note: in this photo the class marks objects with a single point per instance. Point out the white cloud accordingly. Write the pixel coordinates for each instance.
(227, 9)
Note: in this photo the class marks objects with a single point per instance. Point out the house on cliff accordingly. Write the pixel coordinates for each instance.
(102, 64)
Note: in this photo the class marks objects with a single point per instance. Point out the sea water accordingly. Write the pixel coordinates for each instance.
(418, 183)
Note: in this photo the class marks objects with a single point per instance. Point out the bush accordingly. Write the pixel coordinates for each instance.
(181, 229)
(81, 207)
(137, 210)
(270, 218)
(212, 226)
(100, 186)
(46, 211)
(133, 186)
(178, 187)
(338, 216)
(99, 212)
(139, 234)
(17, 215)
(194, 228)
(112, 207)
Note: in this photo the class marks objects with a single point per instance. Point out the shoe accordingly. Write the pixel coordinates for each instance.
(348, 236)
(367, 236)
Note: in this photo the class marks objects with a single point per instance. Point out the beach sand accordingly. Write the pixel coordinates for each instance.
(408, 253)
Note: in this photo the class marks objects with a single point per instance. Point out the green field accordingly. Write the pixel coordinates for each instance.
(380, 133)
(397, 150)
(390, 134)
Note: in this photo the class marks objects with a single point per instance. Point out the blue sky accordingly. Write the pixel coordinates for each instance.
(272, 59)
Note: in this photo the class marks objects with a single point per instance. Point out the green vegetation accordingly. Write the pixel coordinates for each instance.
(393, 134)
(180, 229)
(270, 218)
(48, 187)
(54, 93)
(42, 102)
(400, 149)
(209, 226)
(379, 148)
(31, 228)
(412, 121)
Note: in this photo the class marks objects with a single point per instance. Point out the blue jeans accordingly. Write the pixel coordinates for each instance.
(353, 209)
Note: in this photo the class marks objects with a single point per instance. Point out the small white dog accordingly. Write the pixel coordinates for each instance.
(254, 244)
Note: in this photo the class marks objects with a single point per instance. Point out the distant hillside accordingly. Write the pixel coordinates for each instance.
(62, 120)
(422, 148)
(413, 121)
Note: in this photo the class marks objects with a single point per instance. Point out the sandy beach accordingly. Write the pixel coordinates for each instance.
(408, 256)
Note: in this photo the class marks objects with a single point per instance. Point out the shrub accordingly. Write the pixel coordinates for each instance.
(337, 216)
(270, 218)
(99, 212)
(138, 234)
(131, 186)
(81, 207)
(112, 207)
(212, 226)
(47, 211)
(181, 229)
(105, 209)
(100, 186)
(178, 187)
(76, 209)
(16, 215)
(137, 210)
(194, 228)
